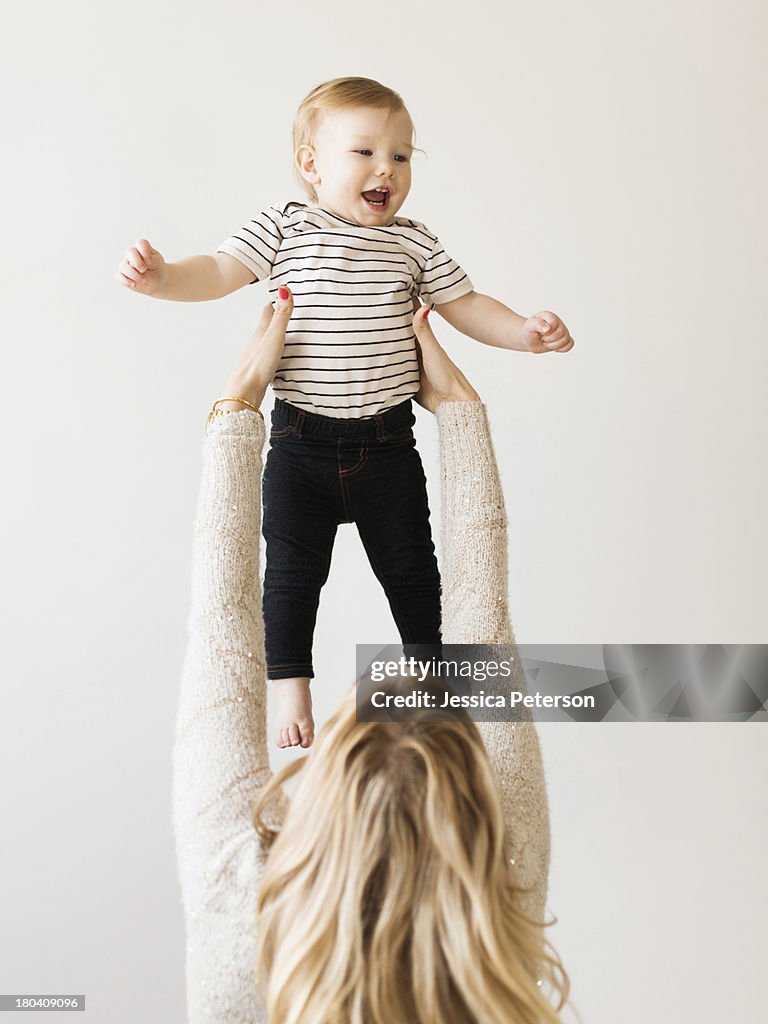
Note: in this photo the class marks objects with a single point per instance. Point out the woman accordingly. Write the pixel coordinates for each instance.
(406, 880)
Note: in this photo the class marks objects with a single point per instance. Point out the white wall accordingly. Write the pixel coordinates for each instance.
(595, 159)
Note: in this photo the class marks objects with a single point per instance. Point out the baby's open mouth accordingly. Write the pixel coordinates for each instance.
(375, 199)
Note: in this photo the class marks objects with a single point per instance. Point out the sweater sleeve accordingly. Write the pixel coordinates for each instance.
(220, 757)
(474, 579)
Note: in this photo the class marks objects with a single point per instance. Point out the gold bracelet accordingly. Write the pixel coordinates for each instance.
(222, 412)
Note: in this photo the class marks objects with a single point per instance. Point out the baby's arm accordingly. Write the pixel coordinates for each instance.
(192, 279)
(486, 320)
(196, 278)
(492, 323)
(442, 283)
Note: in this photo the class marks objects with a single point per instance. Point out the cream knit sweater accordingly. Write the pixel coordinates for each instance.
(220, 756)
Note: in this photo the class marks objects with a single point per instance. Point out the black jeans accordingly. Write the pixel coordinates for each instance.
(322, 471)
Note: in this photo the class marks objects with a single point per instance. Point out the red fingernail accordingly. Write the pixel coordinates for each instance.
(282, 292)
(426, 313)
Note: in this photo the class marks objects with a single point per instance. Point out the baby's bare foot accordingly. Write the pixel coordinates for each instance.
(294, 724)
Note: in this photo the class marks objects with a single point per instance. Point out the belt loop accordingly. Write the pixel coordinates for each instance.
(381, 432)
(299, 422)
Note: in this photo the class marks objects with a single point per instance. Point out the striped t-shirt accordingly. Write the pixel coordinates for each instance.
(350, 350)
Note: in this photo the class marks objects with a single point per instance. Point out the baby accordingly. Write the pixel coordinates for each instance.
(341, 442)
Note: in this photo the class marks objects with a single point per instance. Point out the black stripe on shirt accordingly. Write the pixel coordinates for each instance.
(320, 405)
(335, 369)
(347, 380)
(354, 394)
(349, 355)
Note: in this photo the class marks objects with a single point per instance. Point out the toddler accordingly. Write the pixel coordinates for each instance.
(341, 442)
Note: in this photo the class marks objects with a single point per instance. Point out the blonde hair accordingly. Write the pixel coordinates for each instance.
(387, 894)
(337, 94)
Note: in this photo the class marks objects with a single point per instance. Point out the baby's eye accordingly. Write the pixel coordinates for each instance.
(403, 159)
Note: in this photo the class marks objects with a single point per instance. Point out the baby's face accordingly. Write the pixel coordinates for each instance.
(356, 150)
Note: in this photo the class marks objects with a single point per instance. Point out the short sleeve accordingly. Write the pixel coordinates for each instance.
(257, 243)
(442, 279)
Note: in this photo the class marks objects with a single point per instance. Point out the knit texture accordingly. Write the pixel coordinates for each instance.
(474, 576)
(220, 755)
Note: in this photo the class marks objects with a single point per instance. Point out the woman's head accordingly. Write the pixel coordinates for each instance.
(351, 135)
(387, 895)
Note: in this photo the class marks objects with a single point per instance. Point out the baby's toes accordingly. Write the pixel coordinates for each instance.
(307, 733)
(281, 738)
(293, 734)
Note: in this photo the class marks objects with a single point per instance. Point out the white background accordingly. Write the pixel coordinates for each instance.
(604, 161)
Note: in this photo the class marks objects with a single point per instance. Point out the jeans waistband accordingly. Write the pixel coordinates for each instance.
(379, 426)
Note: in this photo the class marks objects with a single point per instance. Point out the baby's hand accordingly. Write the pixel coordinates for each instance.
(546, 332)
(142, 269)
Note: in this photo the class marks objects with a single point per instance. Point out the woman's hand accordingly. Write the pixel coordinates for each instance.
(441, 379)
(261, 356)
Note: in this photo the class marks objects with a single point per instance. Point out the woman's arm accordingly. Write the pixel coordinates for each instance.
(220, 756)
(474, 579)
(220, 753)
(474, 529)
